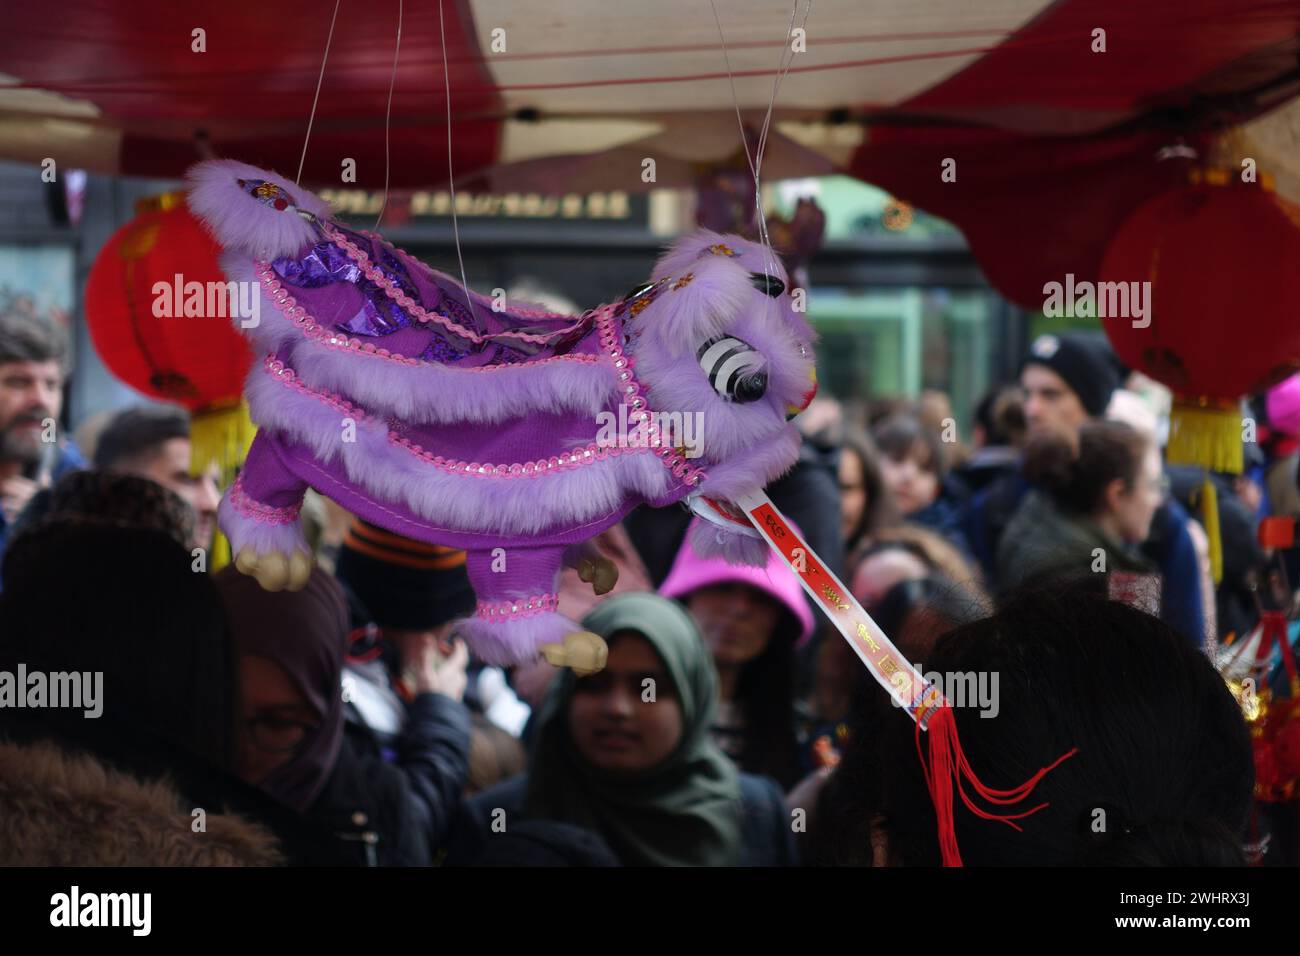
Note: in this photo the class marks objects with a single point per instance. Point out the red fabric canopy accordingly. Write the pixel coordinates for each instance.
(250, 93)
(1054, 142)
(1035, 207)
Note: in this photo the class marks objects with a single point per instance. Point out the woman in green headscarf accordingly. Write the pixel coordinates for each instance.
(625, 753)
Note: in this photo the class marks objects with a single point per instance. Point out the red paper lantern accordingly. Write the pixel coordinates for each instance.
(1221, 259)
(136, 301)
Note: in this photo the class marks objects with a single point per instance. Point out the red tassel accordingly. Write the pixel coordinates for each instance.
(948, 760)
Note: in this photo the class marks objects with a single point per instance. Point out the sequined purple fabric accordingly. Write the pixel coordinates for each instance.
(326, 264)
(379, 315)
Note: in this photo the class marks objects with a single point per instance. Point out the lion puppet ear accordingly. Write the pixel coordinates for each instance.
(698, 303)
(253, 211)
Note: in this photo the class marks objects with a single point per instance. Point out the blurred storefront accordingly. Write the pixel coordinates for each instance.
(900, 303)
(896, 297)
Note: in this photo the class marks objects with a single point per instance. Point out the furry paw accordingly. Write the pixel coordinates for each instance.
(600, 572)
(582, 651)
(274, 570)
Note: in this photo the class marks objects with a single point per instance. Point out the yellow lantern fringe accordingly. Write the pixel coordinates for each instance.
(1210, 522)
(221, 434)
(1205, 435)
(1208, 436)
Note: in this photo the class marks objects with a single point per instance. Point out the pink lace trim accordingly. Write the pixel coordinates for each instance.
(634, 395)
(250, 508)
(574, 457)
(410, 260)
(311, 329)
(518, 607)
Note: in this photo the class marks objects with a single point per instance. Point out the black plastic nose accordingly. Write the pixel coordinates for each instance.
(750, 388)
(766, 283)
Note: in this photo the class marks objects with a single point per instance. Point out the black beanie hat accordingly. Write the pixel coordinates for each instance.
(1084, 361)
(403, 583)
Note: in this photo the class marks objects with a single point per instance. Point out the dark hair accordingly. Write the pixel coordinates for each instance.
(879, 510)
(1163, 773)
(1001, 414)
(900, 435)
(875, 547)
(136, 433)
(26, 336)
(1077, 475)
(89, 596)
(108, 499)
(765, 692)
(934, 551)
(913, 614)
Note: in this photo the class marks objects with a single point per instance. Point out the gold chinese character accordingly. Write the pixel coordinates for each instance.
(865, 635)
(832, 595)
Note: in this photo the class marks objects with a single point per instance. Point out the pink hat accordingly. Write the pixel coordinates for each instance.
(1283, 404)
(690, 572)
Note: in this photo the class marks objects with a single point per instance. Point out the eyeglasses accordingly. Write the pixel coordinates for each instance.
(279, 735)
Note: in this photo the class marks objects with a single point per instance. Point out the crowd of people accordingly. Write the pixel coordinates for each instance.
(348, 724)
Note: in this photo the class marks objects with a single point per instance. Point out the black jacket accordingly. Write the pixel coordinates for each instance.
(766, 832)
(809, 495)
(394, 813)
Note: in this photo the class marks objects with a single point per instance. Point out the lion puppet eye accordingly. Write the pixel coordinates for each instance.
(724, 361)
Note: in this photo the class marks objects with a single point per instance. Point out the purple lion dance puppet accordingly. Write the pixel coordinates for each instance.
(474, 427)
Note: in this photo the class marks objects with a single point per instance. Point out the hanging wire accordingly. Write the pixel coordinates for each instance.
(388, 113)
(451, 173)
(756, 160)
(316, 99)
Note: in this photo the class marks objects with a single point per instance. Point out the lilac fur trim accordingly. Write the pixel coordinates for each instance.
(436, 393)
(680, 318)
(752, 257)
(463, 503)
(755, 468)
(770, 325)
(240, 222)
(273, 329)
(728, 428)
(688, 250)
(429, 392)
(735, 547)
(263, 537)
(503, 643)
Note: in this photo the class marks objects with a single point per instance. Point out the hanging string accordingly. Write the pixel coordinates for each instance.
(388, 113)
(735, 101)
(783, 67)
(316, 99)
(451, 173)
(756, 161)
(782, 70)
